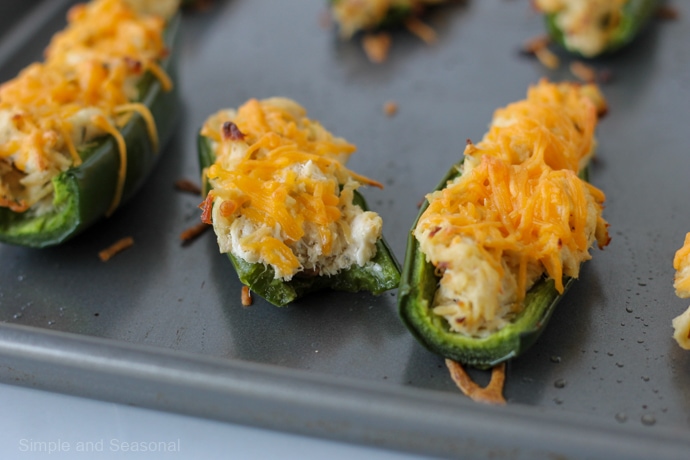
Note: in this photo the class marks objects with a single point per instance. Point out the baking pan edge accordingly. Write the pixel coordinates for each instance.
(272, 397)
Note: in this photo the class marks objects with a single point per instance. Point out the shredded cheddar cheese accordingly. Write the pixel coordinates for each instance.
(519, 210)
(281, 194)
(85, 88)
(587, 25)
(557, 121)
(681, 263)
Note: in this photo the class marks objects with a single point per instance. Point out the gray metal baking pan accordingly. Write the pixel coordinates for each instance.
(161, 325)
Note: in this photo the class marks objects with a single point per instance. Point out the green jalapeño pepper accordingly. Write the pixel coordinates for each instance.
(597, 28)
(418, 286)
(93, 187)
(377, 275)
(502, 238)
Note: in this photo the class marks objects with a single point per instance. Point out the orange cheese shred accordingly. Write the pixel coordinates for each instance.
(681, 261)
(101, 122)
(146, 115)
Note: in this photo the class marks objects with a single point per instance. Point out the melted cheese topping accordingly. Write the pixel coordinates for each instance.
(513, 216)
(556, 121)
(85, 88)
(681, 263)
(281, 193)
(587, 25)
(355, 15)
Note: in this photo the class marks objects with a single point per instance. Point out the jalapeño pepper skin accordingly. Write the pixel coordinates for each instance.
(416, 293)
(634, 17)
(377, 276)
(83, 194)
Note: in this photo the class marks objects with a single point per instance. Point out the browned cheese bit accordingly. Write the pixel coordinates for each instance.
(491, 394)
(192, 233)
(115, 248)
(667, 13)
(425, 32)
(583, 72)
(390, 108)
(186, 185)
(246, 296)
(376, 46)
(539, 47)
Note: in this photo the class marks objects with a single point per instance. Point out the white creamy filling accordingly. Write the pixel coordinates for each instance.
(354, 237)
(682, 274)
(681, 326)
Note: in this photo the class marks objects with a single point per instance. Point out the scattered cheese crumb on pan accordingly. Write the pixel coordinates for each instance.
(535, 43)
(390, 108)
(197, 5)
(376, 46)
(117, 247)
(491, 394)
(185, 185)
(547, 58)
(583, 72)
(539, 47)
(246, 296)
(425, 32)
(192, 233)
(667, 12)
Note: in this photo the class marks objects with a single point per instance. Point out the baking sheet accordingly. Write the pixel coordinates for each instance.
(161, 325)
